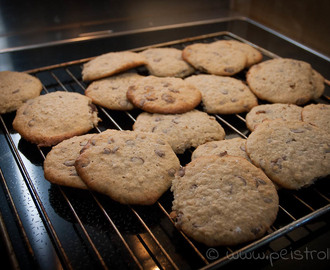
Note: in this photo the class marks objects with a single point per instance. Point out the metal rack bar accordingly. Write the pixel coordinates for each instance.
(34, 194)
(273, 234)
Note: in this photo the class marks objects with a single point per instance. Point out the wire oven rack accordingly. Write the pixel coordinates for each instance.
(88, 230)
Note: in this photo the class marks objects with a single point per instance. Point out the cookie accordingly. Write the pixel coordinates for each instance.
(223, 201)
(285, 80)
(167, 62)
(218, 58)
(292, 153)
(51, 118)
(223, 95)
(130, 167)
(270, 112)
(164, 95)
(111, 63)
(317, 115)
(231, 147)
(253, 56)
(59, 163)
(111, 92)
(181, 131)
(16, 88)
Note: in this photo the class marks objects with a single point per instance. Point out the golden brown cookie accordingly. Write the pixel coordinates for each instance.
(111, 92)
(164, 95)
(292, 153)
(264, 112)
(223, 95)
(167, 62)
(51, 118)
(231, 147)
(182, 131)
(59, 163)
(111, 63)
(16, 88)
(317, 115)
(218, 58)
(130, 167)
(223, 200)
(285, 80)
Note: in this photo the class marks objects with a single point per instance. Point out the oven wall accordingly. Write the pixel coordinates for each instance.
(306, 21)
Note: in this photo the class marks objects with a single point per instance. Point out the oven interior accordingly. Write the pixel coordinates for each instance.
(60, 227)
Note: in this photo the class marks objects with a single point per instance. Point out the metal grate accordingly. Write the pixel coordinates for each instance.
(88, 229)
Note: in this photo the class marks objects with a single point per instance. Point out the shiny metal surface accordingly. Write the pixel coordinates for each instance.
(53, 227)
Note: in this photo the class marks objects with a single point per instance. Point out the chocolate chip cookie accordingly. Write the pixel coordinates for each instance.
(51, 118)
(167, 62)
(223, 200)
(223, 95)
(218, 58)
(318, 115)
(292, 153)
(16, 88)
(182, 131)
(130, 167)
(264, 112)
(59, 163)
(231, 147)
(111, 92)
(111, 63)
(164, 95)
(285, 80)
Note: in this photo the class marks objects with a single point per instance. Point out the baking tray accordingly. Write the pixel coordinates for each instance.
(77, 229)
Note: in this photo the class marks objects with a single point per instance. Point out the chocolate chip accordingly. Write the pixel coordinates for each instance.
(259, 182)
(229, 70)
(174, 90)
(168, 98)
(223, 154)
(15, 91)
(242, 179)
(297, 130)
(181, 172)
(106, 151)
(130, 142)
(83, 143)
(171, 172)
(110, 140)
(160, 153)
(194, 186)
(161, 142)
(292, 85)
(268, 200)
(69, 163)
(137, 160)
(31, 123)
(259, 112)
